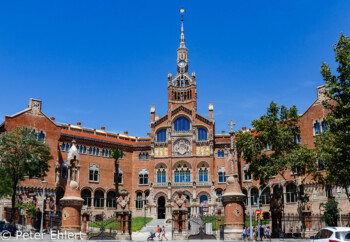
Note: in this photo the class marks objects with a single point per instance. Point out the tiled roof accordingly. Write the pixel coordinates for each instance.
(97, 137)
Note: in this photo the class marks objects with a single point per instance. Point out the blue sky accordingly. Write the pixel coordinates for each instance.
(104, 63)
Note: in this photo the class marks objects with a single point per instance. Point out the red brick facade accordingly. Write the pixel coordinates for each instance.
(189, 154)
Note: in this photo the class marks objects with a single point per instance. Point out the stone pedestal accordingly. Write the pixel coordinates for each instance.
(123, 216)
(71, 208)
(180, 217)
(234, 215)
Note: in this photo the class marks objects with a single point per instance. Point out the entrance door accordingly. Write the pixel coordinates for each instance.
(161, 208)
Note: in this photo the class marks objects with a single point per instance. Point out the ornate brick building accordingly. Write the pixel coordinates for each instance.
(181, 154)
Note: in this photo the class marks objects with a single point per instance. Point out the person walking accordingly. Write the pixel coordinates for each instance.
(247, 234)
(158, 232)
(163, 233)
(268, 233)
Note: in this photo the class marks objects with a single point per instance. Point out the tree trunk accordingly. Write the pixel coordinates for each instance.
(13, 202)
(300, 211)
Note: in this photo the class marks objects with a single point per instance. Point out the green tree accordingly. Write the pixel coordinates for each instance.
(22, 155)
(278, 129)
(333, 146)
(117, 154)
(29, 207)
(331, 212)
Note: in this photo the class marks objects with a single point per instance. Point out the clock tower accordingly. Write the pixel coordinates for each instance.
(182, 87)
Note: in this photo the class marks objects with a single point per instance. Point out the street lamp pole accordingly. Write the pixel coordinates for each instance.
(144, 217)
(43, 185)
(250, 213)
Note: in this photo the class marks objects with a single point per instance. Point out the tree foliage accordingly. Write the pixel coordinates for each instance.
(277, 129)
(331, 212)
(333, 146)
(22, 155)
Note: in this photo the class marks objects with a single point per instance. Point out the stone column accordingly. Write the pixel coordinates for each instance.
(183, 222)
(126, 227)
(119, 223)
(176, 218)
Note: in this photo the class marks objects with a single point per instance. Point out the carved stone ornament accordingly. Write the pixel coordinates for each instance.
(180, 202)
(238, 211)
(182, 147)
(65, 215)
(35, 105)
(122, 203)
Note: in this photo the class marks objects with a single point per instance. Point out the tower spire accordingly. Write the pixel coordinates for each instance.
(182, 38)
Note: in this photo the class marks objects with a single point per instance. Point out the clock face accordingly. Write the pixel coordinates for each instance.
(182, 64)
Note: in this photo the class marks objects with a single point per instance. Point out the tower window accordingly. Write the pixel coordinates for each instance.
(93, 173)
(182, 124)
(317, 128)
(221, 153)
(202, 134)
(143, 177)
(161, 135)
(222, 175)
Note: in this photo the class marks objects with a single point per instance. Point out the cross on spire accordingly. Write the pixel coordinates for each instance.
(231, 124)
(182, 39)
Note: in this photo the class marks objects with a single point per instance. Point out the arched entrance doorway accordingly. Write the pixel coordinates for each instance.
(161, 207)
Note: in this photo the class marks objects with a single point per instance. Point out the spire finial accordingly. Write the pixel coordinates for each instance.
(182, 39)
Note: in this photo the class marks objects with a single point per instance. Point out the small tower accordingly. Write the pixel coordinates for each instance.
(182, 87)
(233, 197)
(72, 201)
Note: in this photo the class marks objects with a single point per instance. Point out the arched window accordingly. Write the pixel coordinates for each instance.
(93, 173)
(329, 191)
(203, 174)
(64, 171)
(161, 175)
(317, 128)
(84, 150)
(103, 153)
(219, 195)
(161, 135)
(246, 196)
(111, 202)
(139, 200)
(222, 175)
(254, 194)
(86, 195)
(97, 151)
(278, 192)
(143, 177)
(41, 137)
(99, 199)
(182, 174)
(63, 146)
(291, 193)
(297, 139)
(221, 153)
(324, 125)
(182, 124)
(67, 146)
(203, 200)
(120, 176)
(34, 134)
(265, 196)
(247, 176)
(202, 134)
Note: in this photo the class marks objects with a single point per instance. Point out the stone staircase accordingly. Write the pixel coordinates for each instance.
(152, 226)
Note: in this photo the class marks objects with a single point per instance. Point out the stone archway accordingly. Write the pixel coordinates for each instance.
(161, 207)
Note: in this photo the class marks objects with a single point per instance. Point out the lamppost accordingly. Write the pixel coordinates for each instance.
(144, 216)
(43, 185)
